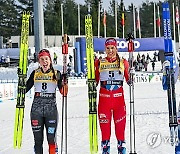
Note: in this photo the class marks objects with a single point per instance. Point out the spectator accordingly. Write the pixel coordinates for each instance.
(138, 57)
(70, 58)
(135, 65)
(154, 58)
(55, 58)
(148, 57)
(35, 58)
(153, 65)
(2, 59)
(7, 61)
(145, 65)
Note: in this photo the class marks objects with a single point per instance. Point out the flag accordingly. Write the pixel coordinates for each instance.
(138, 24)
(158, 20)
(122, 20)
(177, 16)
(104, 19)
(104, 23)
(138, 20)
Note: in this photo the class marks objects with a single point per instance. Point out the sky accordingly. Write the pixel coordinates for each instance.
(126, 2)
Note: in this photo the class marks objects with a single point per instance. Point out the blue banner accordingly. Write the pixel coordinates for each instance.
(144, 44)
(167, 34)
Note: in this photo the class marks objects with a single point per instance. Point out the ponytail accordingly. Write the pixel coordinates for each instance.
(54, 74)
(118, 59)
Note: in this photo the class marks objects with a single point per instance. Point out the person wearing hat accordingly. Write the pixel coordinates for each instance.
(110, 73)
(44, 109)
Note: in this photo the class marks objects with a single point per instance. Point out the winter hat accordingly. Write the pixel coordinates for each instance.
(111, 41)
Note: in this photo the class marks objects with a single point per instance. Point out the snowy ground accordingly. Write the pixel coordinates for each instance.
(151, 119)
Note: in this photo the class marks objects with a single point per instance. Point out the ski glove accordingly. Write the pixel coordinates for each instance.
(132, 70)
(130, 83)
(64, 76)
(64, 90)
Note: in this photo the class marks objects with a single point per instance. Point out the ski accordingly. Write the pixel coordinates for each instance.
(92, 93)
(168, 74)
(131, 92)
(177, 148)
(22, 74)
(64, 97)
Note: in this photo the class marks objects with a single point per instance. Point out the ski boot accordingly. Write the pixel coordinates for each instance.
(121, 147)
(38, 149)
(105, 147)
(56, 149)
(52, 148)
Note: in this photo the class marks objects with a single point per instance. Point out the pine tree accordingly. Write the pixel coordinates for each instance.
(9, 21)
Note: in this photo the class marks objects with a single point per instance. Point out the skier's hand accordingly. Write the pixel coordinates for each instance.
(166, 64)
(130, 83)
(132, 70)
(64, 76)
(64, 90)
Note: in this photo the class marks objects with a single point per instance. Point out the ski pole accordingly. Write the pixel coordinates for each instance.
(131, 90)
(64, 97)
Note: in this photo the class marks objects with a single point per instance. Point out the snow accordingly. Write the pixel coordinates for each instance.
(151, 114)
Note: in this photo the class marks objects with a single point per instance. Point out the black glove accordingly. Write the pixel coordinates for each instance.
(130, 83)
(64, 76)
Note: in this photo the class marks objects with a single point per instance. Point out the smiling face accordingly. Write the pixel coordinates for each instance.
(111, 51)
(45, 62)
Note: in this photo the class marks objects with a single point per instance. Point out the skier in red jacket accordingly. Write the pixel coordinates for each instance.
(110, 72)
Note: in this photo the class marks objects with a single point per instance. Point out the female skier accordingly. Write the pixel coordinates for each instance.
(44, 109)
(110, 71)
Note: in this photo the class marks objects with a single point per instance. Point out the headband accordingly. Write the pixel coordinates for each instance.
(44, 53)
(111, 41)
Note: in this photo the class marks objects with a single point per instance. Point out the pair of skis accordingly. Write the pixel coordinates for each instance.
(92, 93)
(168, 76)
(22, 75)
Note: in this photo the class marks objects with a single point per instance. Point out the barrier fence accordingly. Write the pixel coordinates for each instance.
(8, 88)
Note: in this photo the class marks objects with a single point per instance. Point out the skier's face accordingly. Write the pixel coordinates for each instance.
(45, 62)
(111, 51)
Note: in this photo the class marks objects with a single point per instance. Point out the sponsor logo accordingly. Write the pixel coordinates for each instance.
(52, 121)
(119, 120)
(117, 95)
(124, 44)
(102, 115)
(36, 127)
(42, 77)
(169, 29)
(103, 121)
(165, 31)
(108, 66)
(51, 130)
(35, 122)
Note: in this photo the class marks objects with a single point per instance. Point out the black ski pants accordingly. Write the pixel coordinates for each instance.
(43, 114)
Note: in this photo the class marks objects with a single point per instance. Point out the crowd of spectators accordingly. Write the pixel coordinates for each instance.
(141, 62)
(5, 61)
